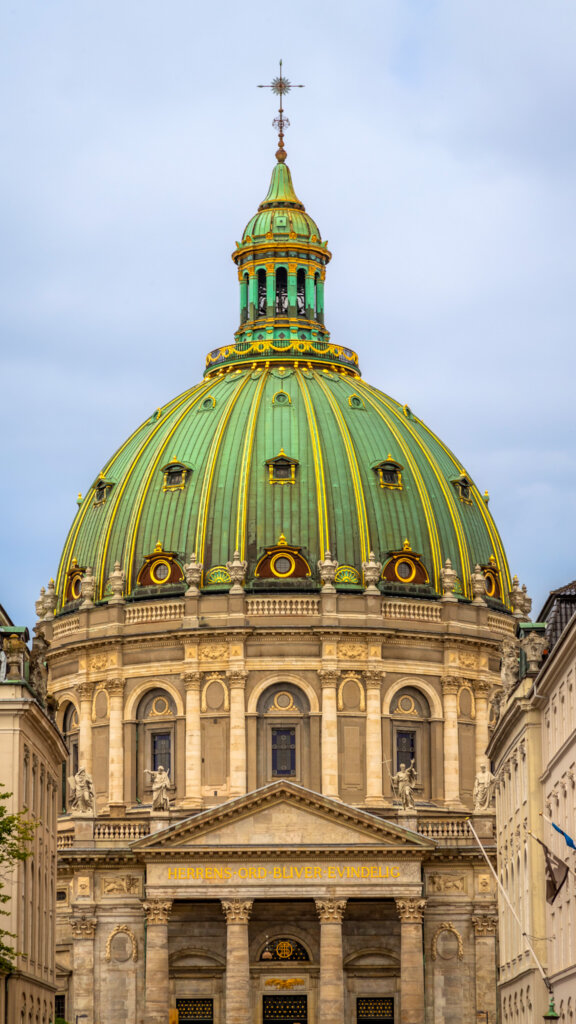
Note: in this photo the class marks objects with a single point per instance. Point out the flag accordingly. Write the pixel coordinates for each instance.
(569, 841)
(556, 871)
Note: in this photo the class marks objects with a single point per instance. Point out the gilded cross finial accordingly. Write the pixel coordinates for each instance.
(280, 86)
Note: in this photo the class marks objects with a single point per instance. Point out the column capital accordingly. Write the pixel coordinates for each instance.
(482, 688)
(374, 677)
(450, 685)
(83, 927)
(237, 911)
(330, 911)
(192, 680)
(237, 679)
(411, 910)
(85, 690)
(115, 687)
(485, 924)
(157, 911)
(329, 678)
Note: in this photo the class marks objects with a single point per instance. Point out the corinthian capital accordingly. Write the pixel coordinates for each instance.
(157, 911)
(330, 911)
(450, 685)
(485, 924)
(328, 677)
(83, 927)
(237, 679)
(192, 680)
(237, 911)
(411, 911)
(115, 687)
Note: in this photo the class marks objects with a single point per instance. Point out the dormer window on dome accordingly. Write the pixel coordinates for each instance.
(463, 486)
(492, 574)
(405, 566)
(282, 469)
(102, 488)
(281, 561)
(73, 585)
(389, 473)
(175, 475)
(159, 569)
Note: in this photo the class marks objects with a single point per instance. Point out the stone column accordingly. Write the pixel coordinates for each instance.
(192, 683)
(238, 1008)
(237, 682)
(157, 969)
(329, 681)
(485, 926)
(374, 794)
(83, 931)
(411, 912)
(331, 991)
(85, 725)
(115, 688)
(451, 758)
(481, 694)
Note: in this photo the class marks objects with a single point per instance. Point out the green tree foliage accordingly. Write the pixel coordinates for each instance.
(16, 834)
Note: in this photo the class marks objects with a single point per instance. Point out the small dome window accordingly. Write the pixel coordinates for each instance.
(176, 474)
(281, 398)
(405, 566)
(355, 402)
(282, 469)
(159, 569)
(73, 586)
(207, 404)
(492, 574)
(102, 488)
(463, 486)
(389, 473)
(281, 561)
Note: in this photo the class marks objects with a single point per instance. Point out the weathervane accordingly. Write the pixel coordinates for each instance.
(281, 86)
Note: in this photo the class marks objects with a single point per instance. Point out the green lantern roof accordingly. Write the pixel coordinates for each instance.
(285, 455)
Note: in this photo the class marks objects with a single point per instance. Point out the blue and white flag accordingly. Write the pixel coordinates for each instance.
(568, 839)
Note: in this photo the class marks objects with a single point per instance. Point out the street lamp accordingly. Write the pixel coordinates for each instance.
(551, 1015)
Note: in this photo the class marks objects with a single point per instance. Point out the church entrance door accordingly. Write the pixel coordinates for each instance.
(289, 1009)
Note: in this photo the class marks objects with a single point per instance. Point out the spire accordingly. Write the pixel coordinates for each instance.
(280, 86)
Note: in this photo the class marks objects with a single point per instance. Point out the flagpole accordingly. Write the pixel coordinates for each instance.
(510, 907)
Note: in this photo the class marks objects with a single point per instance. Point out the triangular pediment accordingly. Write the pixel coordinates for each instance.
(284, 815)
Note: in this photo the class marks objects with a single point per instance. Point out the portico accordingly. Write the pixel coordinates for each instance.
(294, 907)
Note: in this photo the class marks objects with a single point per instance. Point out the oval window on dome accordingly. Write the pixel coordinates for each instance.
(282, 565)
(355, 402)
(159, 571)
(405, 570)
(281, 398)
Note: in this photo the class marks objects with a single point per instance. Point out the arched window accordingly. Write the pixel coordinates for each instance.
(281, 291)
(245, 304)
(262, 301)
(301, 292)
(316, 296)
(155, 742)
(71, 733)
(283, 735)
(410, 736)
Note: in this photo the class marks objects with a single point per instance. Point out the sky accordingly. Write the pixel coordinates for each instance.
(434, 143)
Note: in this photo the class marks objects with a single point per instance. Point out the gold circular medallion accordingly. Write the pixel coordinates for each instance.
(284, 949)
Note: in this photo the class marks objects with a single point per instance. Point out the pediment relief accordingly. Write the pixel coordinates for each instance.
(283, 815)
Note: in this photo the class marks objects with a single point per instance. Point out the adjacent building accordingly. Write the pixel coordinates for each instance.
(31, 756)
(533, 748)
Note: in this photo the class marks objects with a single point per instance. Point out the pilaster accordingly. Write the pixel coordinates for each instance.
(238, 1008)
(331, 994)
(157, 967)
(411, 914)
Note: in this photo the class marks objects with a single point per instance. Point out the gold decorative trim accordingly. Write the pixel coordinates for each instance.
(351, 678)
(121, 929)
(447, 926)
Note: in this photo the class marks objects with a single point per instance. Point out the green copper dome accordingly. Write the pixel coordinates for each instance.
(281, 213)
(284, 455)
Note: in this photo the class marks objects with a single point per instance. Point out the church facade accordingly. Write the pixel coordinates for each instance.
(273, 637)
